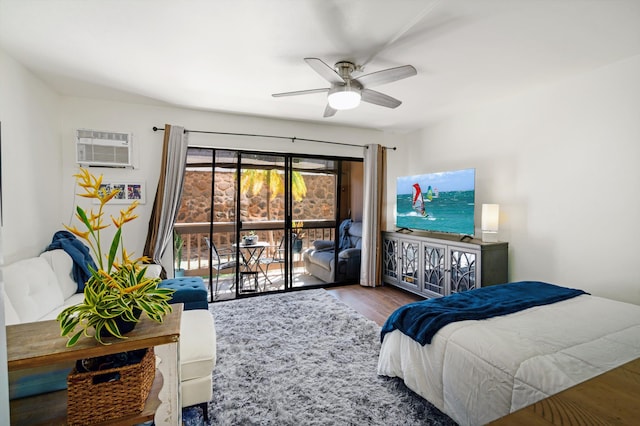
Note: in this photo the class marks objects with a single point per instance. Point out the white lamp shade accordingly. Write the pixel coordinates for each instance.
(344, 99)
(490, 217)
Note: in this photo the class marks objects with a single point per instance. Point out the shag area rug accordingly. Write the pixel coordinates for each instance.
(305, 358)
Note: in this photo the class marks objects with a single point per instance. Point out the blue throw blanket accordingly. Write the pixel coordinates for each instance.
(80, 254)
(344, 242)
(421, 320)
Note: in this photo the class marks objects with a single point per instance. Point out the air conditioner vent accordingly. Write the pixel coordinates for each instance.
(103, 149)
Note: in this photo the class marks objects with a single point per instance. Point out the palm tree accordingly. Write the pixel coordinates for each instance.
(253, 180)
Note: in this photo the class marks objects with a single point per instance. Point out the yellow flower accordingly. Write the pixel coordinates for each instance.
(106, 197)
(93, 221)
(125, 215)
(77, 232)
(117, 287)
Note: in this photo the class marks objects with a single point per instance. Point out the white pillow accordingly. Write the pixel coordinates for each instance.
(62, 265)
(32, 288)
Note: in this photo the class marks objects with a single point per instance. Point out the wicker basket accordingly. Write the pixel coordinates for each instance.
(91, 399)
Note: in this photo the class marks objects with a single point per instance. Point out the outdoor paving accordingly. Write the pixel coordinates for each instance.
(226, 288)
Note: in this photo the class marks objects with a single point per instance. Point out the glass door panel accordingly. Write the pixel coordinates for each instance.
(224, 270)
(433, 265)
(206, 220)
(409, 266)
(463, 270)
(263, 194)
(314, 208)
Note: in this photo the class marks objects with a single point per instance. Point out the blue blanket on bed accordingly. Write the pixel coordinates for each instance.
(421, 320)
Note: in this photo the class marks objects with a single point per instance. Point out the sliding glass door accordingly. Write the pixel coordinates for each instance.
(247, 218)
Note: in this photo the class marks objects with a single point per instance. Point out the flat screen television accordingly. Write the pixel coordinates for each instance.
(437, 202)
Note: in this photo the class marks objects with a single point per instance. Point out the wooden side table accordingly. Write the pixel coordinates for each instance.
(39, 343)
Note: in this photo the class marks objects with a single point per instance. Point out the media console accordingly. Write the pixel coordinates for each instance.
(434, 266)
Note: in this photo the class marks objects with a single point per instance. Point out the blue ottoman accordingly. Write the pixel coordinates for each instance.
(188, 290)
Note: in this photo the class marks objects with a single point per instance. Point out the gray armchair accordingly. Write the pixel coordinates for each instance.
(319, 260)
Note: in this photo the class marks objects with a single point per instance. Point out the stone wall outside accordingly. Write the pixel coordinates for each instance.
(319, 203)
(196, 198)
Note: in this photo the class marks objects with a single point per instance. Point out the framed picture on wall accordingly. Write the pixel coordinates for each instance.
(128, 192)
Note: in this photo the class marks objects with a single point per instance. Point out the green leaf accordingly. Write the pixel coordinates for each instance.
(114, 248)
(128, 315)
(83, 217)
(70, 326)
(144, 305)
(74, 339)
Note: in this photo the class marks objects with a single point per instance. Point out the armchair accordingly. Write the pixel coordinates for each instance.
(319, 260)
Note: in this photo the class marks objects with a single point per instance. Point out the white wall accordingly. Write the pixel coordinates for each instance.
(31, 161)
(31, 190)
(563, 163)
(140, 119)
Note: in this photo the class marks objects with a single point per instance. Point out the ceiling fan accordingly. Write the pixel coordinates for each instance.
(346, 92)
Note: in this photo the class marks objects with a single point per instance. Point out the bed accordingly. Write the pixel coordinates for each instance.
(477, 371)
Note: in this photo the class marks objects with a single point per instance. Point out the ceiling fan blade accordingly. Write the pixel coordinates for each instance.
(325, 71)
(378, 98)
(386, 76)
(329, 112)
(300, 92)
(419, 17)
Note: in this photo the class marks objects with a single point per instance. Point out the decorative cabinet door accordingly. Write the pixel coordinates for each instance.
(390, 259)
(464, 269)
(410, 263)
(433, 267)
(434, 279)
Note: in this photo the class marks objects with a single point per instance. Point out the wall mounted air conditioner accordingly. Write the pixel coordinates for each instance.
(103, 149)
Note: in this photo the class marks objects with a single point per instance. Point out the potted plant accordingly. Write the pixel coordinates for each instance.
(250, 239)
(118, 291)
(178, 244)
(298, 235)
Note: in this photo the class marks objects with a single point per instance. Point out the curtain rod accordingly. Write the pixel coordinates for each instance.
(292, 139)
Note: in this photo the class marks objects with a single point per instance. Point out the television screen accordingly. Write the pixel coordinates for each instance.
(437, 202)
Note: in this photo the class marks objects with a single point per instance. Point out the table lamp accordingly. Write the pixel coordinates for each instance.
(490, 219)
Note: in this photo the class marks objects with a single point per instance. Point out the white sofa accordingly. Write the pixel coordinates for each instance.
(38, 288)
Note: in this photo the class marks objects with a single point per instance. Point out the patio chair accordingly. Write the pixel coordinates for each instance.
(220, 260)
(278, 257)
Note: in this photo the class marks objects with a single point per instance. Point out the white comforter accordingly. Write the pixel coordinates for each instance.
(478, 371)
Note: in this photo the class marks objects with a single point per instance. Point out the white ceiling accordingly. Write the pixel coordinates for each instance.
(231, 55)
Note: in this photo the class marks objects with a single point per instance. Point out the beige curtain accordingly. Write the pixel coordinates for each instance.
(168, 194)
(372, 217)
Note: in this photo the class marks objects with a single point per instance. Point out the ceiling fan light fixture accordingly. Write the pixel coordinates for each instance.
(345, 97)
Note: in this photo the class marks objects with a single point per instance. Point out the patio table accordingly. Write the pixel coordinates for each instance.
(251, 254)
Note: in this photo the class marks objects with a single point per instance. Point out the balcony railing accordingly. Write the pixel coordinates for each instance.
(195, 252)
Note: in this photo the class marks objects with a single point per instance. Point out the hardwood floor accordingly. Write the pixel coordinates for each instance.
(374, 303)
